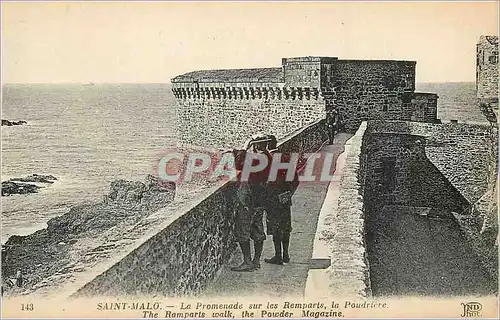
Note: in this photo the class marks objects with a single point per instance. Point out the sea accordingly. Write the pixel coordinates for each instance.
(88, 135)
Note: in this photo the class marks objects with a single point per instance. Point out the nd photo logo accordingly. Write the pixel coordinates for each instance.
(471, 309)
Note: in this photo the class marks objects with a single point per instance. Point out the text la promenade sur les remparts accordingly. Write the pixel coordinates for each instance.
(286, 309)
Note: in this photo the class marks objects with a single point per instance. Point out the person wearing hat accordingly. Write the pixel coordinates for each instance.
(331, 124)
(249, 209)
(278, 210)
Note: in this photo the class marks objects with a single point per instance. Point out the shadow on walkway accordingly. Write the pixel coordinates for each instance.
(411, 254)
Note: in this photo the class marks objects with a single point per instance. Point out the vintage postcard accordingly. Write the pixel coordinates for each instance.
(249, 159)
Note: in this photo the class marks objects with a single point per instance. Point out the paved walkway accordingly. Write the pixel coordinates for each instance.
(290, 279)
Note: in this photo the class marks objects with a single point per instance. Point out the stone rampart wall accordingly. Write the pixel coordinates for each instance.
(214, 109)
(448, 167)
(461, 152)
(225, 123)
(186, 254)
(487, 69)
(439, 168)
(399, 173)
(178, 260)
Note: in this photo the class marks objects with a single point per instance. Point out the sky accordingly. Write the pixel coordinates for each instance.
(152, 42)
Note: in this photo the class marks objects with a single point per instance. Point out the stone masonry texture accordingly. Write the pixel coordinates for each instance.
(183, 257)
(450, 169)
(349, 270)
(446, 171)
(487, 68)
(400, 156)
(229, 123)
(462, 152)
(222, 108)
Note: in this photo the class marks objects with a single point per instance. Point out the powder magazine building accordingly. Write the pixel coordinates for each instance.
(412, 209)
(299, 92)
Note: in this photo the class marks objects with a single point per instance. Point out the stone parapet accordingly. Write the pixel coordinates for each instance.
(349, 269)
(441, 171)
(180, 255)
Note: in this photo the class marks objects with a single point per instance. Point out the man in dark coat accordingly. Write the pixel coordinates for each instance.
(331, 124)
(249, 208)
(278, 210)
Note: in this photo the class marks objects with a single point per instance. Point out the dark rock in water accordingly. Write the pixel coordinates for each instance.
(158, 191)
(13, 123)
(19, 185)
(155, 184)
(36, 178)
(10, 187)
(87, 217)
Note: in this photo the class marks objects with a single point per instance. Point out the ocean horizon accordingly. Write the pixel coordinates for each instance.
(88, 135)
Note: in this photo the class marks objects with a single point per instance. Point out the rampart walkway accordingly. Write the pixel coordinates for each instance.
(289, 279)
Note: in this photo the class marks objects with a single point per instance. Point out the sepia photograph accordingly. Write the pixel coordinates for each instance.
(249, 159)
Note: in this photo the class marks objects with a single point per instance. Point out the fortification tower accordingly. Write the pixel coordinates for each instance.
(487, 69)
(222, 108)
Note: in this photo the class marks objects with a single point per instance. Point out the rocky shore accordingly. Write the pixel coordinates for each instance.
(13, 123)
(26, 184)
(49, 251)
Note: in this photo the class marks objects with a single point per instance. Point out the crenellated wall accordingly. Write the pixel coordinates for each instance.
(245, 91)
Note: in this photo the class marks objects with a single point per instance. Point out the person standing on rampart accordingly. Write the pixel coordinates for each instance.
(278, 208)
(249, 209)
(331, 124)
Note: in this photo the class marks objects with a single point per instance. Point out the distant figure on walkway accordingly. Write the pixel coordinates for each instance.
(340, 123)
(331, 124)
(249, 208)
(278, 210)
